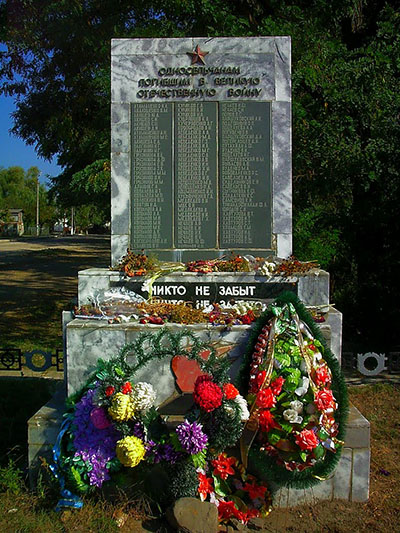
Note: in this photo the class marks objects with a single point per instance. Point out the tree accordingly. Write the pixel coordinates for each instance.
(346, 57)
(18, 190)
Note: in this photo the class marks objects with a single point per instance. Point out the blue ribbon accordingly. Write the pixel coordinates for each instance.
(68, 499)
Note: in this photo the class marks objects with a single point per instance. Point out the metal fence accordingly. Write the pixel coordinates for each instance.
(368, 364)
(36, 360)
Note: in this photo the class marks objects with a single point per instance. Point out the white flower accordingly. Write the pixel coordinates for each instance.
(244, 410)
(297, 406)
(144, 396)
(303, 387)
(292, 416)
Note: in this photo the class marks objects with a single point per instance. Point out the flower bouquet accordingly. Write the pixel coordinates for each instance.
(113, 431)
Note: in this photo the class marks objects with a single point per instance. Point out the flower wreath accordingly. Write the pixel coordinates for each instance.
(297, 398)
(112, 431)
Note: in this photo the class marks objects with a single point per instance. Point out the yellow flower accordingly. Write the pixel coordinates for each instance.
(122, 407)
(130, 451)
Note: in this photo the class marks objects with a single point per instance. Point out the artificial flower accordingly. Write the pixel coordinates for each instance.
(267, 421)
(307, 439)
(99, 418)
(322, 376)
(143, 396)
(223, 466)
(122, 407)
(244, 410)
(260, 379)
(297, 405)
(191, 437)
(255, 491)
(292, 416)
(324, 399)
(130, 451)
(303, 387)
(230, 391)
(207, 394)
(126, 388)
(110, 390)
(205, 486)
(276, 385)
(226, 510)
(266, 398)
(96, 447)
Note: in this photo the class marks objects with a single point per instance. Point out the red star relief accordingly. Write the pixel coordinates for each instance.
(197, 55)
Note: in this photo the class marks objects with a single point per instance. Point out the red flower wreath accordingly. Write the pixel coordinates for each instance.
(207, 394)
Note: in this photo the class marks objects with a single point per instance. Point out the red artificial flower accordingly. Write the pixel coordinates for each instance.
(205, 485)
(207, 394)
(226, 510)
(276, 385)
(260, 378)
(324, 399)
(265, 398)
(126, 388)
(255, 491)
(322, 376)
(307, 439)
(267, 421)
(110, 390)
(230, 391)
(247, 318)
(223, 466)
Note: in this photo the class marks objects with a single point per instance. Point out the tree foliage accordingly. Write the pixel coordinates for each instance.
(18, 190)
(346, 109)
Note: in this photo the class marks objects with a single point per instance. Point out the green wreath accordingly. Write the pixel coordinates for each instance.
(265, 458)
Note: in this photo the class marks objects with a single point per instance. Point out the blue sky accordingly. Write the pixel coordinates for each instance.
(14, 152)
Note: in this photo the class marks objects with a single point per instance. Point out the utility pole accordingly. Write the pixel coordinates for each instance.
(37, 207)
(72, 221)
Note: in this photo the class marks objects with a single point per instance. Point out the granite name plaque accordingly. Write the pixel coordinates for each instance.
(203, 294)
(215, 157)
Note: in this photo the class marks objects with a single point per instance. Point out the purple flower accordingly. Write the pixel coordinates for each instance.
(138, 430)
(191, 437)
(162, 452)
(95, 446)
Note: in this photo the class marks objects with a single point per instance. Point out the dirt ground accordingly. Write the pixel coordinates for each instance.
(39, 279)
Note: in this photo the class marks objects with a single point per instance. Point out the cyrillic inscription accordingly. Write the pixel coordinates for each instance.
(195, 175)
(151, 176)
(244, 165)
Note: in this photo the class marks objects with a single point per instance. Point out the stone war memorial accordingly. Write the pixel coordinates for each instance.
(201, 181)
